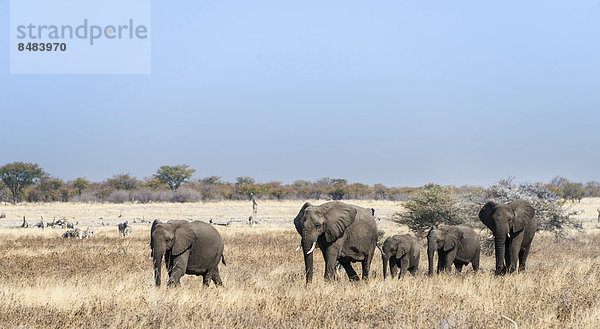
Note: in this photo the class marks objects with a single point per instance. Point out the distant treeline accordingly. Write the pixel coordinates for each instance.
(28, 182)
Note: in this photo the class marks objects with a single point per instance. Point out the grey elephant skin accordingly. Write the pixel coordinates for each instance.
(188, 248)
(513, 225)
(400, 252)
(345, 233)
(458, 245)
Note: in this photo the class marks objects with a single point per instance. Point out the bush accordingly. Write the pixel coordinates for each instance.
(186, 195)
(119, 196)
(430, 207)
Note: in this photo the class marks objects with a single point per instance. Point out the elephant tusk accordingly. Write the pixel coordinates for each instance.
(299, 246)
(491, 236)
(313, 248)
(508, 234)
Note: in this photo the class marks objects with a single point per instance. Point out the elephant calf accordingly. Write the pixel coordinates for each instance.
(188, 248)
(458, 245)
(400, 251)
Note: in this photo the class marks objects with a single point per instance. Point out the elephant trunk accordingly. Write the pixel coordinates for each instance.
(308, 246)
(308, 265)
(157, 255)
(500, 245)
(385, 260)
(430, 254)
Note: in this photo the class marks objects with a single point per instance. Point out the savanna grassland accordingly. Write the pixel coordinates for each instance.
(106, 281)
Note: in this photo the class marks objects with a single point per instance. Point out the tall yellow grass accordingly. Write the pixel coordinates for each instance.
(106, 282)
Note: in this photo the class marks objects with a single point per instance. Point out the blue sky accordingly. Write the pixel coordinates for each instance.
(397, 92)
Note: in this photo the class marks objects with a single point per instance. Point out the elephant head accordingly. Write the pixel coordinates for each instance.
(505, 220)
(443, 238)
(169, 239)
(328, 221)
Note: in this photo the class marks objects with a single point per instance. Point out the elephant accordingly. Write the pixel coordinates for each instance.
(455, 244)
(513, 225)
(400, 251)
(188, 248)
(345, 233)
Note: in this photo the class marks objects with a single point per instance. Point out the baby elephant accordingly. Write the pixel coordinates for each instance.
(458, 245)
(400, 251)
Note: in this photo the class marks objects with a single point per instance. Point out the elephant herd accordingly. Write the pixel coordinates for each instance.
(347, 234)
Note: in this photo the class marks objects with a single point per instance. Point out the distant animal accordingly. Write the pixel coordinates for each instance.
(78, 233)
(345, 233)
(596, 209)
(3, 215)
(188, 248)
(373, 211)
(89, 232)
(72, 225)
(458, 245)
(25, 224)
(254, 209)
(400, 252)
(62, 223)
(41, 224)
(513, 225)
(124, 228)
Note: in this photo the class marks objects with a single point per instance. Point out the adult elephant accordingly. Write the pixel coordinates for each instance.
(513, 225)
(400, 251)
(188, 248)
(458, 245)
(345, 233)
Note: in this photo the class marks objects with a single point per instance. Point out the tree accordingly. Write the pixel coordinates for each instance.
(123, 182)
(17, 175)
(338, 191)
(430, 207)
(244, 180)
(80, 184)
(174, 176)
(51, 189)
(212, 180)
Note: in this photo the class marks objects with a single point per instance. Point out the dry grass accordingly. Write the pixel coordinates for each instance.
(105, 282)
(98, 213)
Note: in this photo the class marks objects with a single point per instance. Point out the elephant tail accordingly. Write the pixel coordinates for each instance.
(223, 260)
(379, 247)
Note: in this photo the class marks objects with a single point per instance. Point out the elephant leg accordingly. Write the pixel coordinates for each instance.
(441, 261)
(352, 275)
(523, 253)
(515, 247)
(459, 266)
(217, 278)
(449, 260)
(403, 265)
(330, 261)
(206, 278)
(475, 262)
(179, 267)
(394, 267)
(366, 266)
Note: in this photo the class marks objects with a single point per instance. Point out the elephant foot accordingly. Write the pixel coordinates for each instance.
(354, 278)
(172, 283)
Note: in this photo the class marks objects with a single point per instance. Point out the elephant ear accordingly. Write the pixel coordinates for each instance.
(403, 248)
(154, 224)
(184, 237)
(451, 239)
(338, 218)
(486, 213)
(524, 212)
(298, 219)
